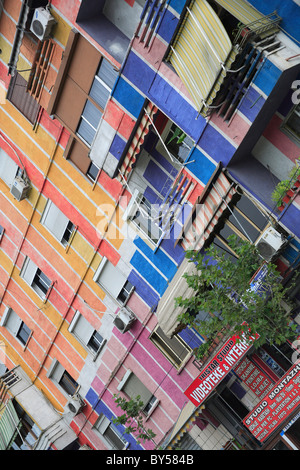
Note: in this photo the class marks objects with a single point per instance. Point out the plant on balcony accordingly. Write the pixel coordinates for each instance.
(222, 288)
(284, 190)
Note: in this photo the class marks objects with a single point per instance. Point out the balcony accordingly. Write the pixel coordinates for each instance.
(111, 23)
(47, 426)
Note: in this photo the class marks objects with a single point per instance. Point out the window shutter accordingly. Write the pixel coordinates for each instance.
(8, 168)
(110, 277)
(13, 322)
(134, 387)
(55, 220)
(83, 329)
(29, 271)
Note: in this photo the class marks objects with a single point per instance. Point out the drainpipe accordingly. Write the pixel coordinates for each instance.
(20, 28)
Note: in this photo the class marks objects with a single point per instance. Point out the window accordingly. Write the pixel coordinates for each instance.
(177, 142)
(16, 326)
(245, 220)
(132, 387)
(8, 168)
(63, 378)
(39, 282)
(58, 224)
(86, 334)
(174, 349)
(1, 232)
(140, 212)
(292, 123)
(113, 281)
(96, 102)
(110, 434)
(92, 171)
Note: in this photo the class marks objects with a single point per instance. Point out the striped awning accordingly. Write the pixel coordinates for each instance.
(201, 52)
(137, 142)
(208, 213)
(246, 13)
(8, 425)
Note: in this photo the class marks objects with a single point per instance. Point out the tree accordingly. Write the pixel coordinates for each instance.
(222, 288)
(132, 418)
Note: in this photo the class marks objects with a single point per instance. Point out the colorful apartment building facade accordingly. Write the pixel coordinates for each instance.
(118, 118)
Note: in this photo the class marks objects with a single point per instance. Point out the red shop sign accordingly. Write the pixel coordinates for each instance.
(276, 406)
(253, 377)
(217, 369)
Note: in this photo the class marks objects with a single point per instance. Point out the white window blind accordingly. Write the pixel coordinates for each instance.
(54, 220)
(110, 277)
(28, 271)
(8, 168)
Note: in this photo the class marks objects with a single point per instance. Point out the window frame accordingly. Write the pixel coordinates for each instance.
(104, 287)
(151, 403)
(18, 324)
(295, 110)
(86, 343)
(57, 374)
(35, 279)
(167, 350)
(64, 241)
(166, 136)
(138, 200)
(101, 425)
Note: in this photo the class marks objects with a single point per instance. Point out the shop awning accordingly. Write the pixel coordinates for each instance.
(8, 425)
(201, 52)
(208, 212)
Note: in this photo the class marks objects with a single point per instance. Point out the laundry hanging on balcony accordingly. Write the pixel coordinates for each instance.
(201, 53)
(207, 213)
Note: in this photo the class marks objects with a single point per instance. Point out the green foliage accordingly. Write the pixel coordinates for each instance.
(222, 288)
(284, 185)
(132, 418)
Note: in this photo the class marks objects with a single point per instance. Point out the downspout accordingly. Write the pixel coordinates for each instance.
(20, 28)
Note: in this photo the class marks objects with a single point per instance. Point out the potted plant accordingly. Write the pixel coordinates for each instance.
(286, 189)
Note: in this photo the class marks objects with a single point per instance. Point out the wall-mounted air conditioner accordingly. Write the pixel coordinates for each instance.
(270, 243)
(20, 188)
(42, 23)
(75, 404)
(124, 320)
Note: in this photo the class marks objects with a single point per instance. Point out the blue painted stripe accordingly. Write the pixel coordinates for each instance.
(177, 253)
(117, 147)
(159, 259)
(176, 107)
(251, 104)
(216, 146)
(191, 337)
(138, 72)
(101, 408)
(291, 219)
(128, 97)
(157, 178)
(200, 165)
(148, 272)
(267, 77)
(178, 5)
(143, 289)
(169, 22)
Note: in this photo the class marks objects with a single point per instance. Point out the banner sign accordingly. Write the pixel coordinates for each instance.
(217, 369)
(276, 406)
(253, 377)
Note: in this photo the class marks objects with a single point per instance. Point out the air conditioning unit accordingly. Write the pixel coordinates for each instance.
(124, 320)
(270, 243)
(42, 23)
(20, 188)
(75, 404)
